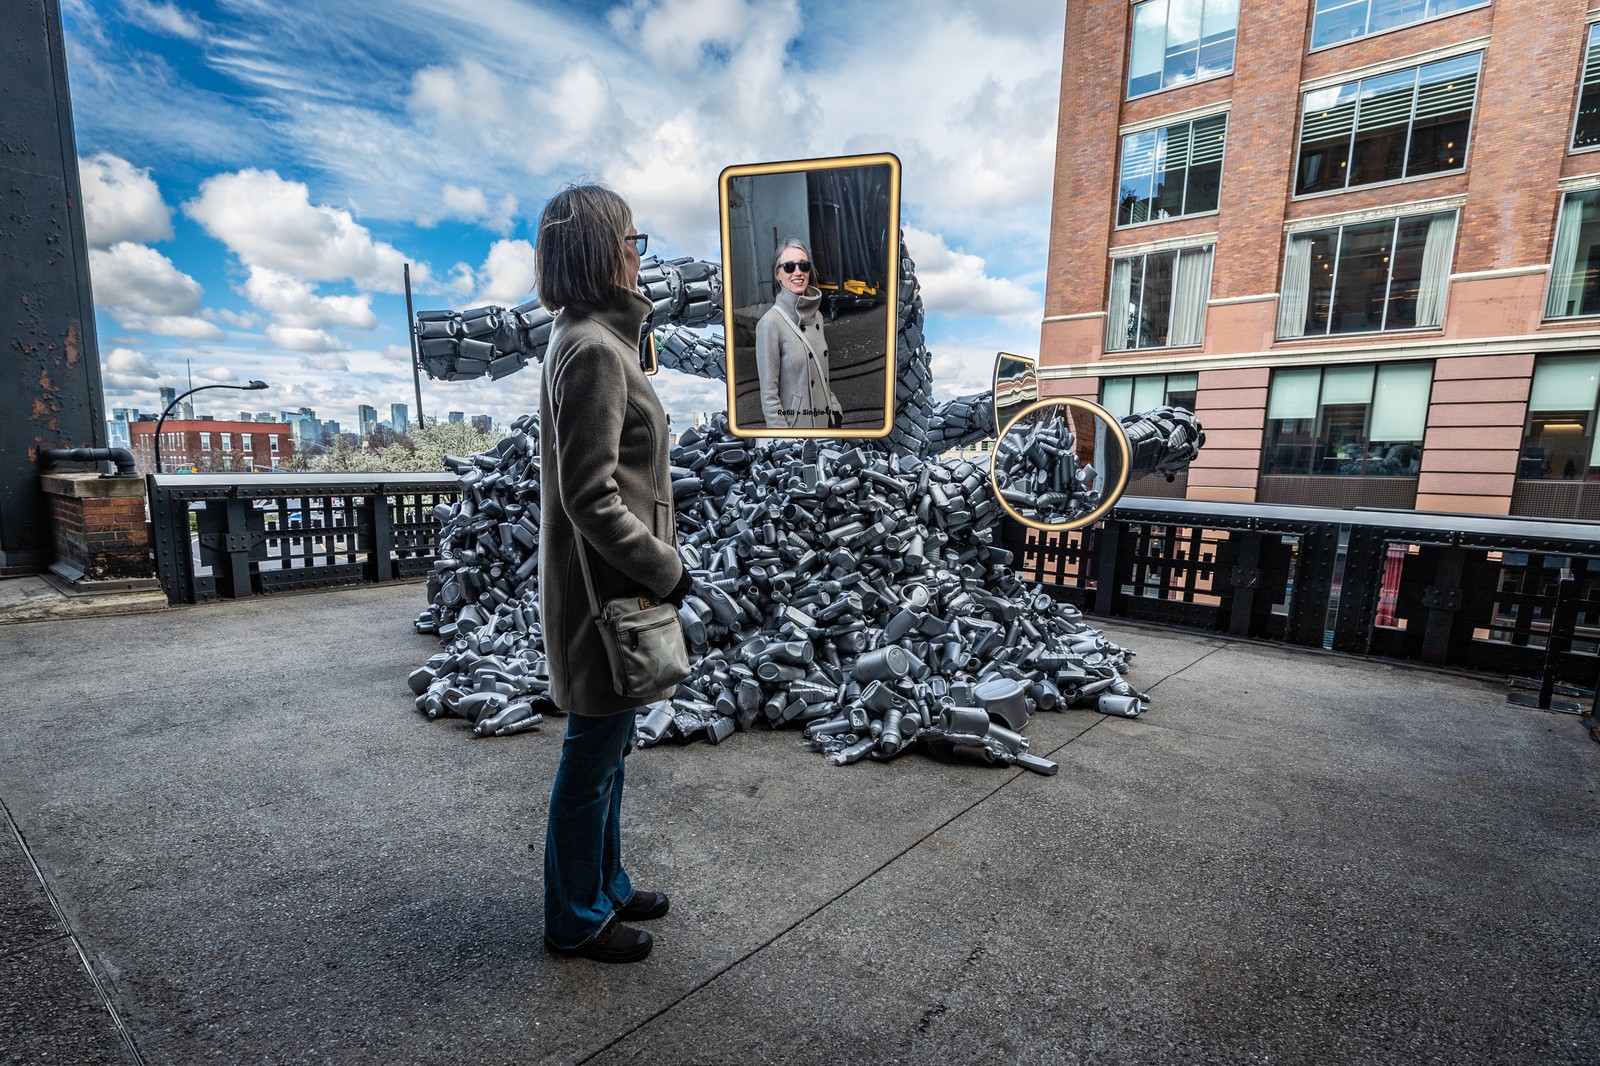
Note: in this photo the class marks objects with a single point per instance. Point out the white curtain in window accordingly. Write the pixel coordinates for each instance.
(1191, 289)
(1121, 314)
(1437, 253)
(1565, 279)
(1116, 396)
(1296, 295)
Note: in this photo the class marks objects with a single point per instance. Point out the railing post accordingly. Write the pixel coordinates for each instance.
(1108, 538)
(1443, 599)
(169, 514)
(1313, 586)
(379, 522)
(1244, 579)
(1358, 590)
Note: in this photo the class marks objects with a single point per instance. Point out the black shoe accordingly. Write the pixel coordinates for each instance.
(644, 906)
(615, 943)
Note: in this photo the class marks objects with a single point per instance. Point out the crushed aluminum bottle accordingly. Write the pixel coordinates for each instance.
(855, 593)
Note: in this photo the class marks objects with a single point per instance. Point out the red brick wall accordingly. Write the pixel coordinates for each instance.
(105, 538)
(1232, 408)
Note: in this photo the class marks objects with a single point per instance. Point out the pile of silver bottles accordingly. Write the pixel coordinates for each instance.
(853, 594)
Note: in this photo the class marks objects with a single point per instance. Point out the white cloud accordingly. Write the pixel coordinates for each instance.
(293, 303)
(121, 202)
(300, 339)
(955, 283)
(471, 204)
(506, 276)
(270, 222)
(236, 319)
(145, 292)
(128, 370)
(167, 19)
(217, 373)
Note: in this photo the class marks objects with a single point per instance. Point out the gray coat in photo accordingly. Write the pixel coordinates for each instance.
(604, 474)
(794, 386)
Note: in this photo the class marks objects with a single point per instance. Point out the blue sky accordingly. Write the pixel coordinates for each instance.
(255, 172)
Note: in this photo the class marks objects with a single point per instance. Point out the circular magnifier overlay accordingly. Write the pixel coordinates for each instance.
(1060, 464)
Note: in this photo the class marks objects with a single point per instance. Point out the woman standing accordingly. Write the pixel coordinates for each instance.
(791, 353)
(605, 489)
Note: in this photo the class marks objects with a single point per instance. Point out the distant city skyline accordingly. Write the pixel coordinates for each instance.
(256, 177)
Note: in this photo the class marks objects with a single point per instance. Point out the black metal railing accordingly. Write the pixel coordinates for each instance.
(222, 535)
(1474, 592)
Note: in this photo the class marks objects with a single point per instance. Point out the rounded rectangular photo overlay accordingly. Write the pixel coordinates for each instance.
(811, 258)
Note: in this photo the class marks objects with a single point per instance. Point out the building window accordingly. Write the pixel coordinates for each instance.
(1575, 264)
(1559, 442)
(1176, 42)
(1364, 421)
(1338, 21)
(1144, 392)
(274, 458)
(205, 442)
(1586, 131)
(273, 441)
(1171, 171)
(227, 442)
(1367, 276)
(1158, 299)
(227, 462)
(1389, 126)
(245, 440)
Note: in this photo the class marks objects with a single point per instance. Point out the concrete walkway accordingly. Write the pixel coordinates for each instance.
(267, 856)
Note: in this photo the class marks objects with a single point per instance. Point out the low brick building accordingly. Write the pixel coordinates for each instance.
(1361, 238)
(209, 446)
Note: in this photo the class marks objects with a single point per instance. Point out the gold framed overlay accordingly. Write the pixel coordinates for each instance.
(1118, 444)
(845, 212)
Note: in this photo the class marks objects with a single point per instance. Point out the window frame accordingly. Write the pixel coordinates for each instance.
(205, 441)
(1133, 381)
(1591, 422)
(1395, 219)
(1592, 29)
(1270, 440)
(1314, 49)
(1222, 167)
(1555, 243)
(1411, 124)
(1133, 16)
(1144, 252)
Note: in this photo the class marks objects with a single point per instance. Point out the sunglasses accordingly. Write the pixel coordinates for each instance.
(641, 241)
(802, 265)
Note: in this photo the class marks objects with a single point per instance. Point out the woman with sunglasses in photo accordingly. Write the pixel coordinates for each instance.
(604, 489)
(791, 352)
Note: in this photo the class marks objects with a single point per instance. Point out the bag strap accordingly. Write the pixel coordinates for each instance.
(588, 575)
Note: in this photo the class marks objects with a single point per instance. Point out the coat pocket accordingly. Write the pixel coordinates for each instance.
(662, 524)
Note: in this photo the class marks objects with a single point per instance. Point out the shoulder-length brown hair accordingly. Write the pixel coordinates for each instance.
(578, 257)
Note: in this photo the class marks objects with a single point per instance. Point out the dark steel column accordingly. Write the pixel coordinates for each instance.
(48, 350)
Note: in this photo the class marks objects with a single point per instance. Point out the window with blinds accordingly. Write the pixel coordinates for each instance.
(1365, 277)
(1586, 129)
(1338, 21)
(1171, 171)
(1355, 420)
(1143, 392)
(1390, 126)
(1559, 442)
(1177, 42)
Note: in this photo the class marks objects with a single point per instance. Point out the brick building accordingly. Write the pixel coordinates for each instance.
(1361, 238)
(213, 447)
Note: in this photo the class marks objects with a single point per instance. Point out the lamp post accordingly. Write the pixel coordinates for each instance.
(254, 386)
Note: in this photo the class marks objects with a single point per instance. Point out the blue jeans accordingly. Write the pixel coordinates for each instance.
(583, 876)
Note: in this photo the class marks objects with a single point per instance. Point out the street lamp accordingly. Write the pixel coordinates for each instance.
(254, 386)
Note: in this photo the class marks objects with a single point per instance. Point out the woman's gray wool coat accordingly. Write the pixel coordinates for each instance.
(603, 472)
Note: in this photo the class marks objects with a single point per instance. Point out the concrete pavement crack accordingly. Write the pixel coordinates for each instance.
(70, 934)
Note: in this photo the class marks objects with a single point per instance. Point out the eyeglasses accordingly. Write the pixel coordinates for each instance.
(641, 241)
(802, 265)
